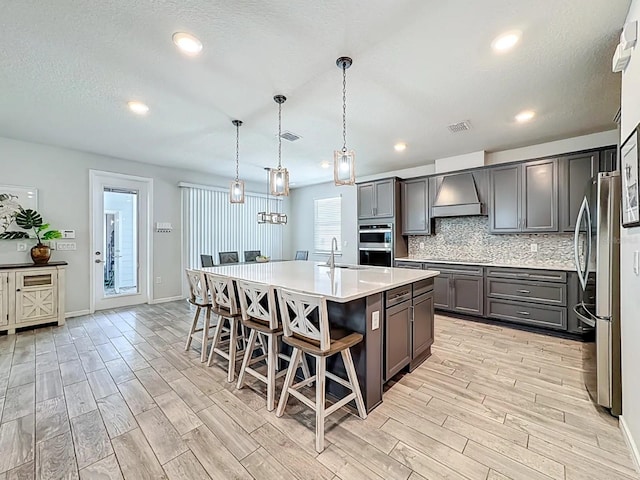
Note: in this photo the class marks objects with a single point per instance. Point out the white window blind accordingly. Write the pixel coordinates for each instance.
(211, 224)
(327, 223)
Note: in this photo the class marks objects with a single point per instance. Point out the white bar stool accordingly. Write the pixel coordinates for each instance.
(223, 304)
(306, 328)
(199, 297)
(259, 315)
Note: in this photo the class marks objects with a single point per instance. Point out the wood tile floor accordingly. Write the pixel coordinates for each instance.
(114, 395)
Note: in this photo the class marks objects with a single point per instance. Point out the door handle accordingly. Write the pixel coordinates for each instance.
(99, 261)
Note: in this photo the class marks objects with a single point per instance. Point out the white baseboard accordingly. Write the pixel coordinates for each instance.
(78, 313)
(166, 299)
(633, 447)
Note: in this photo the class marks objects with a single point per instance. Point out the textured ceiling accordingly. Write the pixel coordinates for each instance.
(67, 69)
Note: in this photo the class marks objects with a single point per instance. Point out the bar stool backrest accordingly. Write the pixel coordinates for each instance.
(258, 303)
(305, 316)
(223, 293)
(198, 293)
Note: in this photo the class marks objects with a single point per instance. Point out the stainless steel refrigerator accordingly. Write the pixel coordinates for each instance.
(597, 257)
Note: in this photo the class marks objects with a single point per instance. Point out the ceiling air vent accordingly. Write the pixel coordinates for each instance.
(459, 127)
(292, 137)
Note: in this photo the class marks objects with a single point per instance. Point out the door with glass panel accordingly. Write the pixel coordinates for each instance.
(120, 240)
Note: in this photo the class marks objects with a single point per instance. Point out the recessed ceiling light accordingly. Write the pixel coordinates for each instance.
(137, 107)
(400, 147)
(525, 116)
(506, 41)
(325, 164)
(187, 43)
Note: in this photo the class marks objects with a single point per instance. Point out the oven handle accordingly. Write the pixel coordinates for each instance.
(375, 230)
(374, 249)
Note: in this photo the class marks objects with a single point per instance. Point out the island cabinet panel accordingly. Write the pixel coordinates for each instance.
(397, 338)
(415, 207)
(422, 324)
(4, 304)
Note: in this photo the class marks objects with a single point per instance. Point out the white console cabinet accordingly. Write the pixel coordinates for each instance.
(31, 295)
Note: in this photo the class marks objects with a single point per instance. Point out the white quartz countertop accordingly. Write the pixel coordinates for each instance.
(340, 285)
(535, 265)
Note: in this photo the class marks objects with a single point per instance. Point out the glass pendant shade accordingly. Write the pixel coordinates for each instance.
(344, 167)
(279, 218)
(236, 191)
(264, 217)
(279, 181)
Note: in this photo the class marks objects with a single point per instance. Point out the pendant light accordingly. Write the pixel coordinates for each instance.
(279, 177)
(344, 169)
(236, 193)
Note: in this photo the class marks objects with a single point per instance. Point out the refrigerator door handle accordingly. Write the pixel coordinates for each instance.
(582, 274)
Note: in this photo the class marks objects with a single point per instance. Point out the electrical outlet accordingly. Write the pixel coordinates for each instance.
(421, 244)
(375, 320)
(158, 280)
(67, 246)
(21, 247)
(534, 247)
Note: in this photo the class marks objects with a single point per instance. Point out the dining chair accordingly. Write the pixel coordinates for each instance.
(251, 255)
(260, 317)
(226, 335)
(199, 297)
(302, 255)
(206, 260)
(305, 322)
(228, 257)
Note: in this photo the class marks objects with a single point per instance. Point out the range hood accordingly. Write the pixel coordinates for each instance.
(457, 197)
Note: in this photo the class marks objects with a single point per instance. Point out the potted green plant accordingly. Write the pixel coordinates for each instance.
(31, 221)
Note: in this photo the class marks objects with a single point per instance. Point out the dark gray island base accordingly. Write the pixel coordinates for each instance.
(402, 341)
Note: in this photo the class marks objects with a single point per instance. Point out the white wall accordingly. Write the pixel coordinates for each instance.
(301, 219)
(62, 179)
(567, 145)
(630, 242)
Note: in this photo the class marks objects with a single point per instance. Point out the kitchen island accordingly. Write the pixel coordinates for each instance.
(391, 307)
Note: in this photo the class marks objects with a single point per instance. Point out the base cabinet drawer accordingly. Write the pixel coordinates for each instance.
(411, 265)
(528, 313)
(536, 292)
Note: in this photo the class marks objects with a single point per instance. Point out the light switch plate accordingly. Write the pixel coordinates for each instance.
(68, 233)
(21, 247)
(375, 320)
(68, 246)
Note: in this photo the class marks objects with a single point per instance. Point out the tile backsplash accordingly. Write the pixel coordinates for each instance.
(468, 238)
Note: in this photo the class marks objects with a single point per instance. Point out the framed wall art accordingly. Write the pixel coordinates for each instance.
(12, 199)
(629, 173)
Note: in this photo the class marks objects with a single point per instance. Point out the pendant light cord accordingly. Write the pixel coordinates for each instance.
(344, 107)
(279, 135)
(237, 150)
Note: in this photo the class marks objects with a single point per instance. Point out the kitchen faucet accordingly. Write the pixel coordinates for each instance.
(331, 262)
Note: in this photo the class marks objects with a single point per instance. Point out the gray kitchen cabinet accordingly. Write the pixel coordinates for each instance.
(608, 160)
(415, 207)
(459, 288)
(539, 204)
(504, 199)
(376, 199)
(575, 173)
(524, 197)
(397, 330)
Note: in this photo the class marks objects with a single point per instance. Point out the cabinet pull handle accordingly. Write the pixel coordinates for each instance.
(413, 311)
(524, 313)
(524, 291)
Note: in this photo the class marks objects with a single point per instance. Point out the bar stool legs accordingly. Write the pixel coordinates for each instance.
(231, 340)
(205, 331)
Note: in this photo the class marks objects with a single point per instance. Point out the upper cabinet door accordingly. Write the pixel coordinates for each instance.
(608, 160)
(415, 207)
(384, 198)
(4, 304)
(576, 172)
(540, 196)
(366, 200)
(504, 199)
